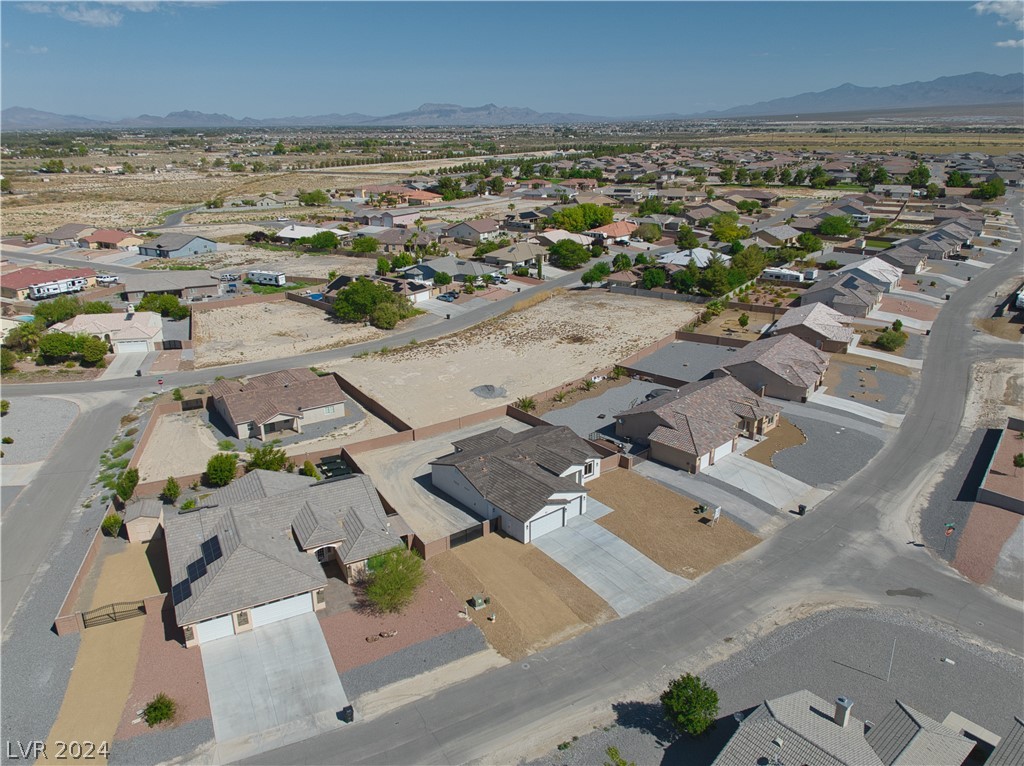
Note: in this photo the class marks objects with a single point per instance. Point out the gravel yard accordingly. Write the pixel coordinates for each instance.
(161, 745)
(888, 388)
(536, 605)
(983, 541)
(829, 653)
(922, 283)
(664, 525)
(830, 454)
(554, 342)
(35, 423)
(433, 612)
(907, 307)
(286, 328)
(596, 410)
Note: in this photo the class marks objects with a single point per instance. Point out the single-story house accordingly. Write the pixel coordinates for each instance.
(256, 407)
(293, 232)
(393, 219)
(700, 256)
(177, 246)
(777, 236)
(893, 191)
(783, 366)
(457, 268)
(553, 236)
(143, 519)
(697, 425)
(401, 240)
(16, 283)
(532, 480)
(875, 271)
(803, 728)
(626, 278)
(518, 254)
(187, 285)
(613, 231)
(817, 324)
(136, 331)
(474, 232)
(905, 258)
(254, 552)
(846, 293)
(110, 239)
(69, 234)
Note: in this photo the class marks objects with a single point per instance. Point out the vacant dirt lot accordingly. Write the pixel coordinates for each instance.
(269, 331)
(562, 339)
(181, 445)
(665, 527)
(537, 603)
(292, 263)
(783, 436)
(1008, 327)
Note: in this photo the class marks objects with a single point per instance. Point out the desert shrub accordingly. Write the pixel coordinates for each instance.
(112, 524)
(890, 340)
(220, 469)
(268, 458)
(225, 445)
(7, 440)
(177, 395)
(308, 469)
(122, 447)
(126, 483)
(393, 579)
(189, 504)
(172, 490)
(161, 708)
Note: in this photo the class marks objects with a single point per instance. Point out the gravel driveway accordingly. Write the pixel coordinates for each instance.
(35, 423)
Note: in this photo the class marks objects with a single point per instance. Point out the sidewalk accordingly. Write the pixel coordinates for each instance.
(919, 296)
(916, 324)
(856, 408)
(913, 364)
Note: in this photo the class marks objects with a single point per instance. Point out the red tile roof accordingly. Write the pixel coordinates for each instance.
(109, 236)
(22, 278)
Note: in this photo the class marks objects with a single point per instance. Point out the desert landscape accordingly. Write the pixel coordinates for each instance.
(561, 339)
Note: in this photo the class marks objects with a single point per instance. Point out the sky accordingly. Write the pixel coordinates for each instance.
(275, 59)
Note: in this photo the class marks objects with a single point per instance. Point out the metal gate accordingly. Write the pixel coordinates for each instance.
(465, 536)
(122, 610)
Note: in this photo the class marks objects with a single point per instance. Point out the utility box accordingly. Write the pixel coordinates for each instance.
(347, 714)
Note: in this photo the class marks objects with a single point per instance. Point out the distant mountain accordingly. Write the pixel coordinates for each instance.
(964, 90)
(958, 90)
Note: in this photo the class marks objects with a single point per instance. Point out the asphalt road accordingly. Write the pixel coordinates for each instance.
(852, 548)
(74, 263)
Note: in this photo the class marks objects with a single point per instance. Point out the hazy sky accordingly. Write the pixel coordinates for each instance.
(275, 59)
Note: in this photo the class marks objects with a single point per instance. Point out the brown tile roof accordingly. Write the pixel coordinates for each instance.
(701, 416)
(260, 398)
(110, 236)
(22, 278)
(616, 229)
(789, 357)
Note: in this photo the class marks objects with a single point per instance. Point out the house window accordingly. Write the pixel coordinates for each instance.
(588, 468)
(329, 410)
(242, 618)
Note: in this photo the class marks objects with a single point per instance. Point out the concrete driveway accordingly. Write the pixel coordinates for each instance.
(613, 569)
(269, 687)
(774, 487)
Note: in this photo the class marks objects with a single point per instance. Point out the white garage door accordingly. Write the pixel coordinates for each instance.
(126, 346)
(282, 610)
(544, 524)
(213, 629)
(702, 461)
(722, 451)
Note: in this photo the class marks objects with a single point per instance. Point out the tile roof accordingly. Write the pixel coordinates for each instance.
(480, 225)
(788, 356)
(224, 558)
(615, 229)
(169, 281)
(110, 236)
(906, 737)
(149, 508)
(1010, 751)
(848, 289)
(802, 722)
(172, 242)
(820, 318)
(139, 325)
(23, 278)
(875, 268)
(519, 473)
(262, 397)
(70, 231)
(703, 415)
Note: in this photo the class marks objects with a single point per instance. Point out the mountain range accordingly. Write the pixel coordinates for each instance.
(976, 88)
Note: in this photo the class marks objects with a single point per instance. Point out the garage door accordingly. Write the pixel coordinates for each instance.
(127, 346)
(282, 610)
(544, 524)
(702, 462)
(213, 629)
(722, 451)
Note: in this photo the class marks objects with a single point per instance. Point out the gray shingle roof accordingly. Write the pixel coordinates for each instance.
(1010, 751)
(789, 357)
(246, 551)
(519, 473)
(172, 241)
(906, 737)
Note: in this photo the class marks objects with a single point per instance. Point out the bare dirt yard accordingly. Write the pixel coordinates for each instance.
(665, 527)
(783, 436)
(727, 325)
(292, 263)
(180, 445)
(562, 339)
(536, 602)
(269, 331)
(1010, 326)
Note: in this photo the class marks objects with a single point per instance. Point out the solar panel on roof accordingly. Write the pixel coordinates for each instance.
(182, 591)
(211, 549)
(196, 569)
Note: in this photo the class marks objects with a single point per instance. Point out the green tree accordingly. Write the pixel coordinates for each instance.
(97, 307)
(1018, 462)
(651, 206)
(690, 705)
(165, 305)
(126, 483)
(932, 191)
(442, 279)
(621, 262)
(316, 198)
(58, 347)
(898, 325)
(890, 340)
(383, 266)
(597, 273)
(53, 166)
(402, 261)
(748, 206)
(648, 232)
(880, 176)
(744, 320)
(957, 179)
(93, 350)
(279, 149)
(5, 186)
(171, 491)
(25, 336)
(726, 174)
(394, 577)
(308, 469)
(582, 217)
(365, 245)
(686, 239)
(60, 309)
(990, 189)
(750, 262)
(496, 185)
(685, 280)
(725, 227)
(786, 177)
(324, 240)
(220, 469)
(714, 279)
(449, 189)
(654, 278)
(799, 177)
(267, 457)
(567, 254)
(836, 226)
(808, 242)
(385, 316)
(112, 524)
(161, 708)
(8, 359)
(919, 176)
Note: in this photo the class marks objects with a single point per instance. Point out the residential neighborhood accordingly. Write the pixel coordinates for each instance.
(491, 435)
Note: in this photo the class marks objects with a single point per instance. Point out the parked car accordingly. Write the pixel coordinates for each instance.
(446, 298)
